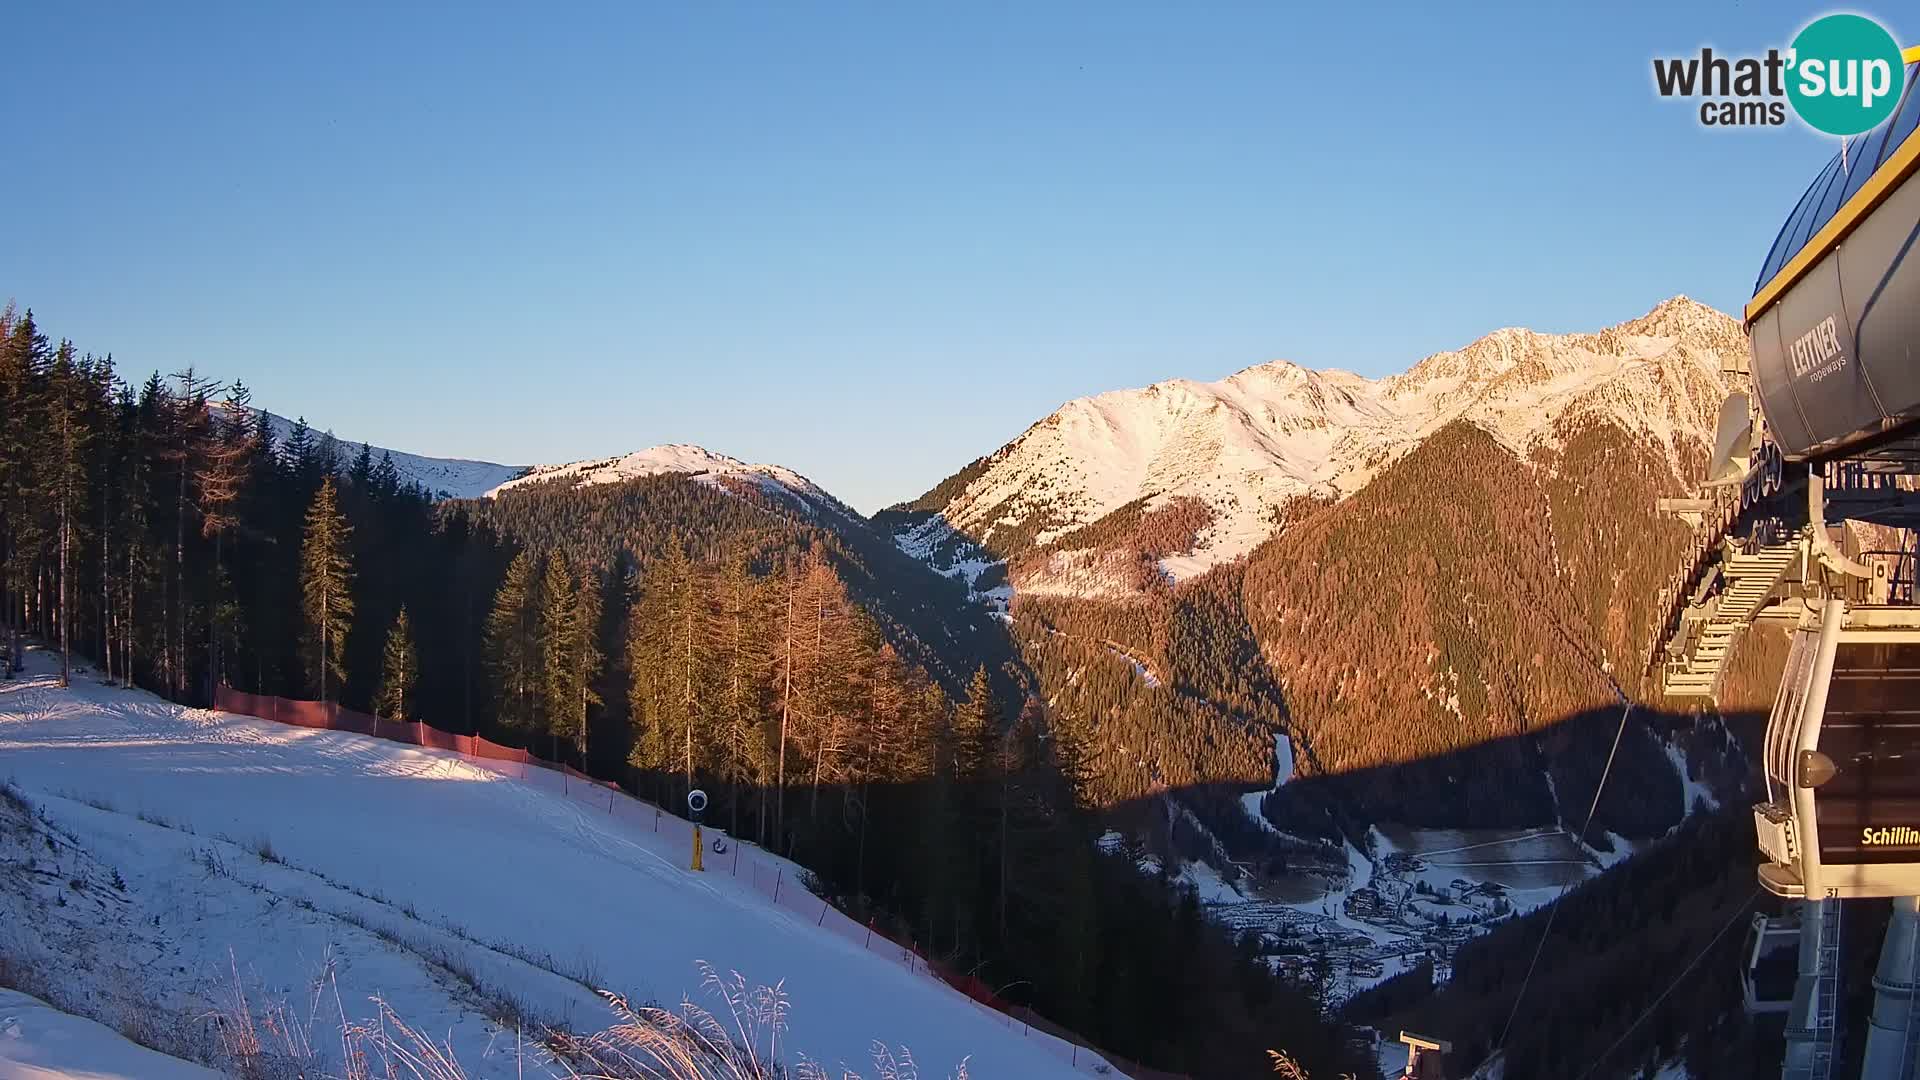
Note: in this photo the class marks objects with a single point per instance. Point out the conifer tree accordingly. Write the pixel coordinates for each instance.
(225, 467)
(556, 633)
(400, 672)
(587, 661)
(386, 477)
(361, 474)
(975, 723)
(70, 435)
(326, 586)
(668, 656)
(513, 646)
(188, 435)
(23, 359)
(743, 619)
(569, 650)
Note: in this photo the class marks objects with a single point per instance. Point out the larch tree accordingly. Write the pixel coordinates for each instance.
(400, 671)
(225, 465)
(326, 585)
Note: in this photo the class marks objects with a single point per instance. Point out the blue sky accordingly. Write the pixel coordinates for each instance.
(869, 241)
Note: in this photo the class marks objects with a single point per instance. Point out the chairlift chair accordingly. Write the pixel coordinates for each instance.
(1771, 951)
(1842, 820)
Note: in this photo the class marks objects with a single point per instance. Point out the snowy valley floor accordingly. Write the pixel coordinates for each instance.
(159, 860)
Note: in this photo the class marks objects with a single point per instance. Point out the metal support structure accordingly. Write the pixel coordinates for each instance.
(1832, 557)
(1893, 1033)
(1813, 1022)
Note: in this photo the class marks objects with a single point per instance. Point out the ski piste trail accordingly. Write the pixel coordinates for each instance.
(409, 874)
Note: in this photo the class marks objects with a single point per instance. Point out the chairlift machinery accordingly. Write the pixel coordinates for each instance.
(1822, 442)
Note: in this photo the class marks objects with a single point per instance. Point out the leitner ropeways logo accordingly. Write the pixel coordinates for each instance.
(1842, 75)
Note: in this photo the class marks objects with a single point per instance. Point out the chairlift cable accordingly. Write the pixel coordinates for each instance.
(1675, 985)
(1553, 912)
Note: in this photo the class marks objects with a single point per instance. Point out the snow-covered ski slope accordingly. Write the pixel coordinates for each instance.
(397, 859)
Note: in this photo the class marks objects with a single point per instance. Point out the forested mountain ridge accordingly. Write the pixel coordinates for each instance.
(621, 525)
(443, 478)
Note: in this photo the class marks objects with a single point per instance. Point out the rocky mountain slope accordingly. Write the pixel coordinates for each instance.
(1246, 446)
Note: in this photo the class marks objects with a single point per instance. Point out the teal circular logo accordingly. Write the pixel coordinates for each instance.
(1846, 75)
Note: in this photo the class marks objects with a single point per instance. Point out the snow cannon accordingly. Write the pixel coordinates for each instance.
(696, 806)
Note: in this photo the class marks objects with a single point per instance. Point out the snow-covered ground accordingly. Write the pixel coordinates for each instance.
(177, 855)
(39, 1042)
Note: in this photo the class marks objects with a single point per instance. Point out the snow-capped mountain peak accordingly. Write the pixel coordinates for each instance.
(706, 466)
(1247, 444)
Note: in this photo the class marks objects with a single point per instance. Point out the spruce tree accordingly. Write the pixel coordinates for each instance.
(744, 621)
(400, 671)
(588, 659)
(326, 580)
(559, 648)
(976, 722)
(361, 474)
(512, 650)
(669, 657)
(386, 477)
(70, 435)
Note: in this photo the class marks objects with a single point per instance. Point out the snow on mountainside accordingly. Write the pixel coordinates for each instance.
(446, 478)
(1247, 444)
(717, 470)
